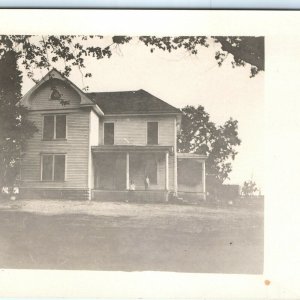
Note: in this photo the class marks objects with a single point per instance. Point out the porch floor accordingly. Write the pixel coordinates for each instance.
(131, 196)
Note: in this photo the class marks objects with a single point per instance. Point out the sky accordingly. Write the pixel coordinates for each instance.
(181, 79)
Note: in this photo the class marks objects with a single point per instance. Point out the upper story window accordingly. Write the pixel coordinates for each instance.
(53, 167)
(54, 127)
(109, 133)
(152, 133)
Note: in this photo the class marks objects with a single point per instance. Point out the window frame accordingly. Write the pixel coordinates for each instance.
(108, 122)
(54, 128)
(147, 142)
(53, 167)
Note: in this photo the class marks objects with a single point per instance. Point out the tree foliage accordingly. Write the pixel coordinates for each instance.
(15, 129)
(249, 188)
(202, 136)
(247, 49)
(72, 50)
(244, 49)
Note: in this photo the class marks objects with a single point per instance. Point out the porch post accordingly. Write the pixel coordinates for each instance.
(175, 175)
(203, 179)
(167, 171)
(127, 170)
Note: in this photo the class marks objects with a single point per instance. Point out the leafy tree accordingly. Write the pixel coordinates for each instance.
(249, 188)
(15, 129)
(244, 49)
(200, 135)
(44, 51)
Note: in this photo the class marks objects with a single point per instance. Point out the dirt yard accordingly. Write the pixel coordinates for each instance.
(131, 237)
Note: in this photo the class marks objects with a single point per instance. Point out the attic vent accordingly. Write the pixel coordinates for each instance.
(55, 94)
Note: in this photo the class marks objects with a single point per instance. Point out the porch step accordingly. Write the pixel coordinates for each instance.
(130, 196)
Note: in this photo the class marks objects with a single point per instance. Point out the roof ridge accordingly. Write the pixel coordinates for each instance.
(128, 91)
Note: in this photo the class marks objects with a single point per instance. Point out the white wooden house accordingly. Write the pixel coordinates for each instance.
(100, 145)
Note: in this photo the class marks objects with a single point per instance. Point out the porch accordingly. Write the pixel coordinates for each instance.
(125, 173)
(131, 196)
(191, 176)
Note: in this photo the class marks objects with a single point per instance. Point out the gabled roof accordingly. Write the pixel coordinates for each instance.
(128, 102)
(131, 102)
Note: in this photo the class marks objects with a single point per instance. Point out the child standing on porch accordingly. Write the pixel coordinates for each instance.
(147, 182)
(132, 185)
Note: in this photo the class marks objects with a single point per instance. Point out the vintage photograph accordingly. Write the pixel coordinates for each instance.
(132, 153)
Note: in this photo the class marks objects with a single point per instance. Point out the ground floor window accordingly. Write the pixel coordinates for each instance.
(53, 167)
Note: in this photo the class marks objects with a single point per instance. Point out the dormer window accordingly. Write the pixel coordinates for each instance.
(55, 127)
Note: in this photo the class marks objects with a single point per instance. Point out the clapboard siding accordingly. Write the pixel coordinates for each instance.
(40, 99)
(133, 130)
(94, 129)
(161, 175)
(76, 147)
(93, 141)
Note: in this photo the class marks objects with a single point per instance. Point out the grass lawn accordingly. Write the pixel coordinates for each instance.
(131, 237)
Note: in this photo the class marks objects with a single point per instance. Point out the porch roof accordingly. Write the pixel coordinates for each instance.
(131, 148)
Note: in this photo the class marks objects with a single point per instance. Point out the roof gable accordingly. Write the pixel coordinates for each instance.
(54, 94)
(84, 100)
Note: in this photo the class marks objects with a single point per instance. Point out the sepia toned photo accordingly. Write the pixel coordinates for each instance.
(132, 153)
